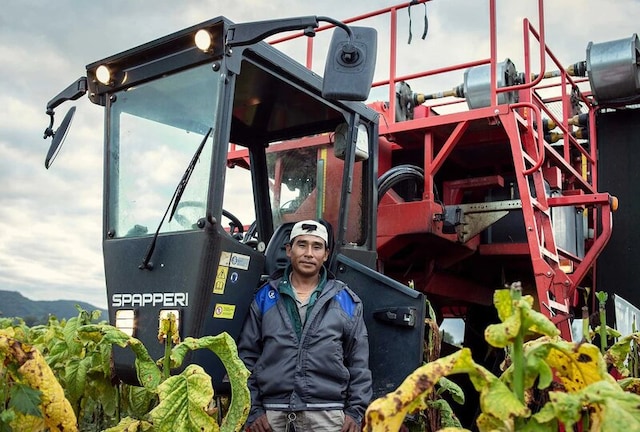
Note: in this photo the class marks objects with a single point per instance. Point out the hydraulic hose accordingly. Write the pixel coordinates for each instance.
(398, 174)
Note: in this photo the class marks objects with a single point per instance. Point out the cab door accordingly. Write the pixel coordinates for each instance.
(395, 319)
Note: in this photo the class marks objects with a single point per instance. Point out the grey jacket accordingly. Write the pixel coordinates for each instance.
(328, 368)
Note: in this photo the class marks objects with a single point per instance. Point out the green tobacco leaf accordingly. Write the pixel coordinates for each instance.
(139, 400)
(6, 418)
(183, 402)
(619, 351)
(515, 315)
(602, 296)
(447, 418)
(70, 333)
(566, 407)
(546, 415)
(503, 334)
(58, 352)
(611, 409)
(148, 373)
(445, 384)
(536, 368)
(631, 385)
(620, 410)
(75, 378)
(129, 424)
(536, 322)
(102, 391)
(101, 358)
(496, 399)
(95, 315)
(225, 348)
(487, 423)
(25, 399)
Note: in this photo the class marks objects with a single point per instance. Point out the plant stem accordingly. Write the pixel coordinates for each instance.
(603, 328)
(118, 402)
(585, 324)
(517, 352)
(166, 361)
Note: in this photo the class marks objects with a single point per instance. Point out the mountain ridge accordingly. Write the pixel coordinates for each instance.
(14, 304)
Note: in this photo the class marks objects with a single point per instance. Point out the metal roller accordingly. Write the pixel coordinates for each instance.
(477, 84)
(613, 69)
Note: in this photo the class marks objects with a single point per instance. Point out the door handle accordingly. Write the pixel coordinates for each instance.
(399, 316)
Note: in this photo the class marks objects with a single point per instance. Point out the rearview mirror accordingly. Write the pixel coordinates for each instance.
(58, 137)
(348, 71)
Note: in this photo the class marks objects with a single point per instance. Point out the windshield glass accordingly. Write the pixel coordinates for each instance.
(155, 130)
(305, 183)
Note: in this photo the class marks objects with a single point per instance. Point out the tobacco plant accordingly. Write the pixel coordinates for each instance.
(58, 377)
(183, 400)
(574, 377)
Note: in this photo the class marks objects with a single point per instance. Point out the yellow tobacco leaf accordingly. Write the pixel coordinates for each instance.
(57, 411)
(388, 412)
(503, 303)
(579, 367)
(27, 422)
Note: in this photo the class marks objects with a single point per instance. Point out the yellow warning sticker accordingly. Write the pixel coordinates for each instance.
(225, 311)
(221, 279)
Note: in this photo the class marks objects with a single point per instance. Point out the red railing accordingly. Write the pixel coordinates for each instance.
(527, 90)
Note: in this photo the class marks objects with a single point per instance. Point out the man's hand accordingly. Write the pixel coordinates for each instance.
(261, 425)
(349, 425)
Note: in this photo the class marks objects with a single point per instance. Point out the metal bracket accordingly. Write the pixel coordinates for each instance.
(477, 217)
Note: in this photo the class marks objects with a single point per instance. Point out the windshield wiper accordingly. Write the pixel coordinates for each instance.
(173, 203)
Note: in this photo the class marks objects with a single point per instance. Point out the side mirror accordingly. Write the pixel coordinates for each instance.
(348, 72)
(58, 137)
(341, 141)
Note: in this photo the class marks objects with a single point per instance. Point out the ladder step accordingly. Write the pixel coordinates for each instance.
(529, 159)
(547, 253)
(540, 207)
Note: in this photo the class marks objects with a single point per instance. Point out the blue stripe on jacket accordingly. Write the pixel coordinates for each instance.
(266, 298)
(346, 302)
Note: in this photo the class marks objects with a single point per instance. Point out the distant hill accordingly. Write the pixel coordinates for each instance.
(14, 304)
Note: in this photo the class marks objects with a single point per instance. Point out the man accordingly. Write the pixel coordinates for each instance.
(305, 343)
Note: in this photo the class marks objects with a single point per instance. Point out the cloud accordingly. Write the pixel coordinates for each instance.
(51, 220)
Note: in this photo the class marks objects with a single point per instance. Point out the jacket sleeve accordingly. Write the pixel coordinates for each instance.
(360, 391)
(249, 350)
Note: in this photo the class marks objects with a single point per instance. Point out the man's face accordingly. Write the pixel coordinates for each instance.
(307, 254)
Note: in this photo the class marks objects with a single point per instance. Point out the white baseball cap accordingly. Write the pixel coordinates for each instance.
(309, 227)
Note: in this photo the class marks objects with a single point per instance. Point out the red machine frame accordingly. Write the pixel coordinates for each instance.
(536, 165)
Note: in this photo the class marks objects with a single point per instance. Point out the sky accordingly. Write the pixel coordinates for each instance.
(51, 220)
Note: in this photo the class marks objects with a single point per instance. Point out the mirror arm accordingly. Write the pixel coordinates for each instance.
(73, 92)
(77, 89)
(250, 33)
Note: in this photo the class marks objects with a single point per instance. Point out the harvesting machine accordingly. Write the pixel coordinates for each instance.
(216, 142)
